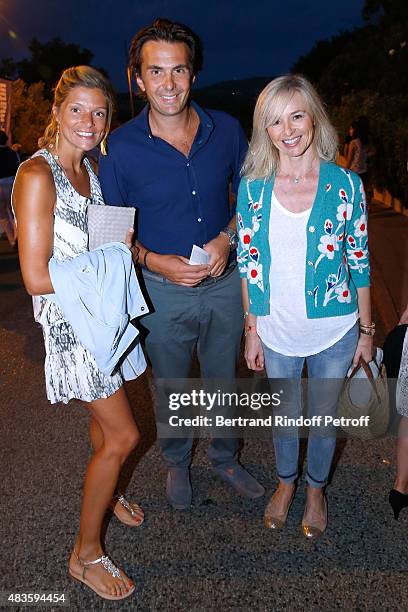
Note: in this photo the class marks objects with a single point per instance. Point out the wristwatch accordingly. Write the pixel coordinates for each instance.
(232, 237)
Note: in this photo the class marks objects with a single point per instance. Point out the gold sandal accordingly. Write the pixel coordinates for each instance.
(109, 566)
(133, 511)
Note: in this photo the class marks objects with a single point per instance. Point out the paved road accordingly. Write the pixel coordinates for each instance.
(218, 556)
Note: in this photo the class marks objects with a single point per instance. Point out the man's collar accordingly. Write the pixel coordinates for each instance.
(206, 123)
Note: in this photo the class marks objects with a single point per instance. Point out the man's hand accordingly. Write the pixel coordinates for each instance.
(177, 269)
(219, 251)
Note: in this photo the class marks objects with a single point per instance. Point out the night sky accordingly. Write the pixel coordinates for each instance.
(242, 38)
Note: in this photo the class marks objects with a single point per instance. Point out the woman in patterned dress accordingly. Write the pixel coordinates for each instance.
(304, 264)
(50, 198)
(396, 362)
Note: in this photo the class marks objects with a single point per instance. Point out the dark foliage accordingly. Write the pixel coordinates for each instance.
(366, 72)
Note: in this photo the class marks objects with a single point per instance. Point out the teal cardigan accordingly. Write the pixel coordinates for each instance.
(337, 258)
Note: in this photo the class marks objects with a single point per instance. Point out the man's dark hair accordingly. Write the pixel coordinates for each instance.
(171, 32)
(3, 138)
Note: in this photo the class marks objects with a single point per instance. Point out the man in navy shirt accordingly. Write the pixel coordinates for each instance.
(176, 162)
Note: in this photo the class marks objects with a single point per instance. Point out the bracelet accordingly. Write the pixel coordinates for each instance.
(368, 325)
(246, 315)
(145, 257)
(250, 329)
(367, 332)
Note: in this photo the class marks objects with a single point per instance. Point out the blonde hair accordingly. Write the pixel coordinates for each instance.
(262, 159)
(77, 76)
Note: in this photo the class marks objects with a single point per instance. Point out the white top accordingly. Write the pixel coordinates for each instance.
(287, 330)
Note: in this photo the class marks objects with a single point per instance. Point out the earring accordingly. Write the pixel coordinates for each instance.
(103, 145)
(56, 156)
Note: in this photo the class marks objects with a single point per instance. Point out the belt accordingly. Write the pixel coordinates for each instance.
(210, 280)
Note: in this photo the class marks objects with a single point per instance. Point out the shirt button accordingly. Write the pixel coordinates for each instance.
(199, 219)
(142, 308)
(310, 293)
(188, 165)
(310, 263)
(194, 192)
(150, 136)
(311, 228)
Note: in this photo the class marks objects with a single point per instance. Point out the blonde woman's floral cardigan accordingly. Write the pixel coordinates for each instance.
(337, 258)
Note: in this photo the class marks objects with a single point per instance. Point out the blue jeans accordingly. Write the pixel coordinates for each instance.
(332, 363)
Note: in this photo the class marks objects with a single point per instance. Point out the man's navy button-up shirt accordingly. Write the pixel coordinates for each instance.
(181, 200)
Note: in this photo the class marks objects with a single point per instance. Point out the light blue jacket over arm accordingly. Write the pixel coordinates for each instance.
(99, 295)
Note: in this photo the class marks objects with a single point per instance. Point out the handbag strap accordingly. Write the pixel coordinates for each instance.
(363, 364)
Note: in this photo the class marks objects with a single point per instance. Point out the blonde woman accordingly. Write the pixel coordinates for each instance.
(51, 195)
(305, 275)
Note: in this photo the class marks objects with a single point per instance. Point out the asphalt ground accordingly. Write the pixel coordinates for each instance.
(217, 556)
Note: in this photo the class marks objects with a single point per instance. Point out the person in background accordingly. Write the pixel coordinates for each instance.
(396, 363)
(304, 264)
(176, 161)
(9, 163)
(51, 195)
(356, 159)
(16, 147)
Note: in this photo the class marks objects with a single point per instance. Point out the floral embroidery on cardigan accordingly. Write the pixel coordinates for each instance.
(336, 284)
(248, 259)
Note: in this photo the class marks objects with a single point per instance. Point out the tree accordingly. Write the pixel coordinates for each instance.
(365, 72)
(29, 115)
(46, 63)
(49, 59)
(7, 68)
(324, 51)
(386, 10)
(388, 135)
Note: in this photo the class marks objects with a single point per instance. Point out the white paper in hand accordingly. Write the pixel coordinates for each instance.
(198, 256)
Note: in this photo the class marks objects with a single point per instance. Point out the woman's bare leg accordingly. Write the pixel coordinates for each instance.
(96, 435)
(401, 479)
(120, 436)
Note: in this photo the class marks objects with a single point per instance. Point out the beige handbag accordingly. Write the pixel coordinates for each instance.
(376, 408)
(108, 224)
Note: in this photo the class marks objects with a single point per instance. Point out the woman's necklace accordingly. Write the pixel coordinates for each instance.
(296, 179)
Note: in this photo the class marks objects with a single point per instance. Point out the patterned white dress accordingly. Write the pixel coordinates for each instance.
(70, 369)
(402, 382)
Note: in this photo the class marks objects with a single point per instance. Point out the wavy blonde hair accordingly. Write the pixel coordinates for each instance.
(77, 76)
(262, 159)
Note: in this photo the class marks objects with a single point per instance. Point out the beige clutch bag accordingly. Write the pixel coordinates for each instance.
(108, 224)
